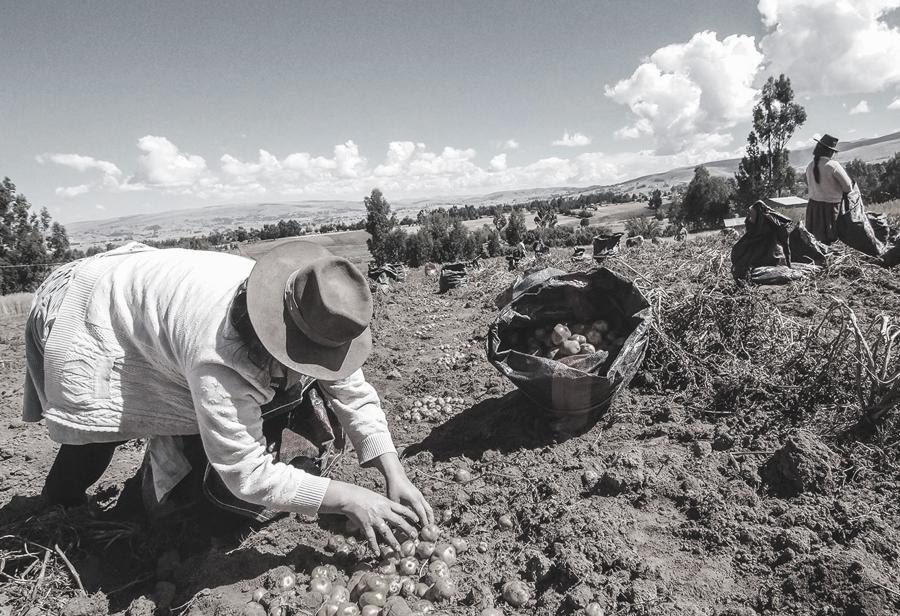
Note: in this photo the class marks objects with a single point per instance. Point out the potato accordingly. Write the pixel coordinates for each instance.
(425, 549)
(569, 347)
(587, 348)
(578, 338)
(408, 566)
(593, 609)
(430, 532)
(516, 593)
(253, 609)
(347, 609)
(460, 544)
(442, 590)
(601, 326)
(560, 333)
(372, 598)
(594, 337)
(408, 547)
(446, 553)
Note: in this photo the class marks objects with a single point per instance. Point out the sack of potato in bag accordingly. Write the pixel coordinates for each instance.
(571, 342)
(854, 227)
(453, 275)
(606, 246)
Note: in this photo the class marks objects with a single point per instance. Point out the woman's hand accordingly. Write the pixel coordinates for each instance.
(401, 490)
(371, 511)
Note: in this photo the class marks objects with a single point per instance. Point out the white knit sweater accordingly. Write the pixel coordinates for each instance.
(142, 347)
(833, 181)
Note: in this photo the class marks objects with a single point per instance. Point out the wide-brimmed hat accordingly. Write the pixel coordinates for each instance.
(310, 309)
(828, 141)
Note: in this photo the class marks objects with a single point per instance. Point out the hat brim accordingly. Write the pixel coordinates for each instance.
(274, 326)
(825, 145)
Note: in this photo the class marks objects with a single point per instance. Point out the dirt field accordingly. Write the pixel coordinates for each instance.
(681, 500)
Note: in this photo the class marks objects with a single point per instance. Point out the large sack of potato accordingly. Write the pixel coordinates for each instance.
(453, 275)
(773, 250)
(571, 343)
(854, 227)
(606, 246)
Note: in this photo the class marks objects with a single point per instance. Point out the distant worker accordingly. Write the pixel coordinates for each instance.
(681, 234)
(828, 183)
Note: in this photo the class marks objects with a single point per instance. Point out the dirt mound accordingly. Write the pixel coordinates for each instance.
(803, 464)
(94, 605)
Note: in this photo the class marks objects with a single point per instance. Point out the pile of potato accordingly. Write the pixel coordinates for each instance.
(567, 340)
(451, 360)
(411, 582)
(434, 409)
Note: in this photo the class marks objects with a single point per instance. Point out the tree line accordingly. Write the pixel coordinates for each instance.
(30, 242)
(442, 236)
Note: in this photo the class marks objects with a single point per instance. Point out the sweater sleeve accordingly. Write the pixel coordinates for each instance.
(842, 177)
(228, 414)
(356, 404)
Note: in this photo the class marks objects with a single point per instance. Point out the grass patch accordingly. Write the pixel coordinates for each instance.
(15, 304)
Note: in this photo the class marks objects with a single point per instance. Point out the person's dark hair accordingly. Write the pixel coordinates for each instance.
(239, 317)
(818, 152)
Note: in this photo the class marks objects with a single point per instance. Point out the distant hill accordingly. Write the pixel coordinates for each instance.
(197, 221)
(876, 149)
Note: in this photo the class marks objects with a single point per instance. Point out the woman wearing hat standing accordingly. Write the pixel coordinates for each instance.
(146, 343)
(828, 183)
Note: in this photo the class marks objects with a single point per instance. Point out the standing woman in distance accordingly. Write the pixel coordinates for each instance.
(828, 183)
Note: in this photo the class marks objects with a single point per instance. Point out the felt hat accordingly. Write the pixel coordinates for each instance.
(310, 309)
(828, 141)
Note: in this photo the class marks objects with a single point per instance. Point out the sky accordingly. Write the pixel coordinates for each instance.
(114, 108)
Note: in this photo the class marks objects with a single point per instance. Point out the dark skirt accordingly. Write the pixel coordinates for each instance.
(820, 220)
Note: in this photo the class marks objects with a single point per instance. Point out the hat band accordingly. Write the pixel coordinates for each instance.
(290, 300)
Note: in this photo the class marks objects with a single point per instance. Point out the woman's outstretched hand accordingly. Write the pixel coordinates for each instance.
(401, 490)
(373, 513)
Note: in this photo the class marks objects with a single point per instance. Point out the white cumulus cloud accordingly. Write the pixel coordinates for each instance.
(894, 105)
(860, 107)
(498, 163)
(687, 95)
(510, 144)
(408, 169)
(575, 140)
(163, 164)
(72, 191)
(832, 46)
(79, 162)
